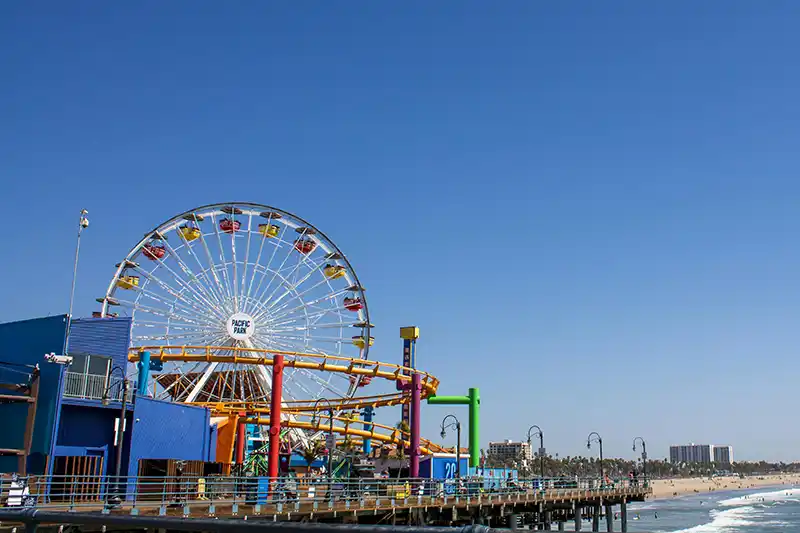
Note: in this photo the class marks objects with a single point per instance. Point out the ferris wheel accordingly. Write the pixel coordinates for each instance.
(241, 276)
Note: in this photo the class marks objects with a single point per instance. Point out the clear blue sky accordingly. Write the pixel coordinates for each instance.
(590, 209)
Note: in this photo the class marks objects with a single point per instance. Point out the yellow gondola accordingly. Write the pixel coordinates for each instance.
(190, 233)
(128, 282)
(334, 271)
(358, 341)
(269, 231)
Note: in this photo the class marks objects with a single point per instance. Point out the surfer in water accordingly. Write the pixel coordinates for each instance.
(656, 515)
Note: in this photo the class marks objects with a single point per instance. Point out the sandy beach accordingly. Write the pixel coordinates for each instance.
(671, 488)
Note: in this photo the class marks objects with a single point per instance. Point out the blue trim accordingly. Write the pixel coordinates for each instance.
(57, 421)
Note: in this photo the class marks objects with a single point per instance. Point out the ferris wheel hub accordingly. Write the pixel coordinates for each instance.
(240, 326)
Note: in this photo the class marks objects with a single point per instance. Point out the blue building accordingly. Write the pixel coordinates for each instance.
(80, 405)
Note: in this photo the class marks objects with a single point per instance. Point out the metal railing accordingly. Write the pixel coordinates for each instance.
(92, 387)
(204, 495)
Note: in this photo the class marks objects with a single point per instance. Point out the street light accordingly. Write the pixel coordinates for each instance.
(332, 437)
(644, 457)
(457, 425)
(595, 437)
(541, 446)
(83, 223)
(122, 416)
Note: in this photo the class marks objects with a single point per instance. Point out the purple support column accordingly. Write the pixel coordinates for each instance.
(416, 392)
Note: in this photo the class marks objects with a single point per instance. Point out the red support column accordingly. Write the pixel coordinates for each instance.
(275, 417)
(241, 437)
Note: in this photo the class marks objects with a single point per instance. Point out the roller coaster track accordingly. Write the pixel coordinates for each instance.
(258, 412)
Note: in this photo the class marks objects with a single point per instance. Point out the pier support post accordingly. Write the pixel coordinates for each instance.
(577, 509)
(596, 517)
(513, 521)
(548, 520)
(609, 518)
(560, 525)
(623, 516)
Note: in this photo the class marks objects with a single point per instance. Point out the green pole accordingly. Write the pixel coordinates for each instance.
(474, 427)
(474, 402)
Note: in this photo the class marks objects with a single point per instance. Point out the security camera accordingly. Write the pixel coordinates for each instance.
(58, 359)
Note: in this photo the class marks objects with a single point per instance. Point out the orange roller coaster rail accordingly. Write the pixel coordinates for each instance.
(308, 361)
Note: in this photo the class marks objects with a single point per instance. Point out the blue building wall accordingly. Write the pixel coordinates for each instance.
(164, 430)
(109, 337)
(85, 428)
(26, 342)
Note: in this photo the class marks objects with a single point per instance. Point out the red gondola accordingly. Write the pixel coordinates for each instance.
(229, 226)
(365, 380)
(305, 246)
(353, 304)
(154, 251)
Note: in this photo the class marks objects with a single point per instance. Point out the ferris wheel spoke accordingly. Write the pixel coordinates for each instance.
(211, 264)
(201, 290)
(256, 263)
(297, 295)
(186, 375)
(172, 385)
(337, 325)
(223, 261)
(276, 244)
(170, 290)
(290, 318)
(294, 287)
(235, 276)
(211, 286)
(261, 311)
(301, 261)
(311, 303)
(164, 337)
(290, 246)
(246, 256)
(315, 339)
(165, 313)
(200, 315)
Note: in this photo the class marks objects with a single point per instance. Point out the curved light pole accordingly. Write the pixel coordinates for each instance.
(541, 446)
(83, 223)
(595, 437)
(333, 438)
(644, 457)
(457, 425)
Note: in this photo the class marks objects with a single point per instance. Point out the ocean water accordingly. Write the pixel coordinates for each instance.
(762, 510)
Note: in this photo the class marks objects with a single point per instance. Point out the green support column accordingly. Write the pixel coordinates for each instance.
(474, 402)
(474, 427)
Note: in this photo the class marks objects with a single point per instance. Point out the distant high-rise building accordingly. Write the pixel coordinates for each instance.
(723, 455)
(701, 453)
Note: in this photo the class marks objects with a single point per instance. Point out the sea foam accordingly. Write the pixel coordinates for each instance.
(776, 496)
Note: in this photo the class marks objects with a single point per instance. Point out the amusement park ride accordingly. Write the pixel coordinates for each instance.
(256, 314)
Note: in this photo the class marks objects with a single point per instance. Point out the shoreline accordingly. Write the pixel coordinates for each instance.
(674, 488)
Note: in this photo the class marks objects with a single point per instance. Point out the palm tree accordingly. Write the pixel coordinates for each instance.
(403, 430)
(312, 451)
